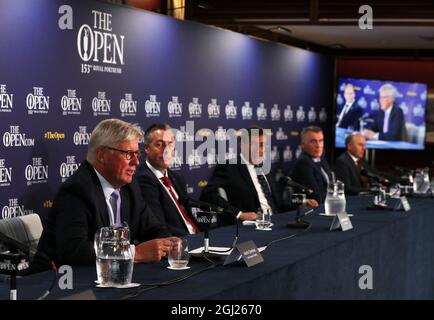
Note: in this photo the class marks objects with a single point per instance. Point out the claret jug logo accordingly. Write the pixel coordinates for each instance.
(301, 114)
(98, 44)
(231, 110)
(288, 114)
(101, 105)
(70, 103)
(246, 111)
(36, 172)
(174, 108)
(213, 109)
(81, 137)
(152, 106)
(261, 112)
(195, 108)
(176, 163)
(287, 154)
(68, 167)
(275, 113)
(128, 106)
(13, 209)
(37, 102)
(194, 160)
(275, 155)
(280, 134)
(322, 115)
(311, 115)
(14, 138)
(5, 174)
(6, 99)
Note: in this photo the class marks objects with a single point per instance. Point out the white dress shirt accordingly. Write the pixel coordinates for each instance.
(252, 172)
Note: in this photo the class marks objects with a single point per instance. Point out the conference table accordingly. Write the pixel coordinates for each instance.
(388, 254)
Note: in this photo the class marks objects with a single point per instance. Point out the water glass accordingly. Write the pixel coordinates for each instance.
(178, 256)
(263, 219)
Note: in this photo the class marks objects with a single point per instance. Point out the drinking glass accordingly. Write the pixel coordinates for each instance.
(263, 219)
(178, 256)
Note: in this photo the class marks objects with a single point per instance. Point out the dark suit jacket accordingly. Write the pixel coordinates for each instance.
(351, 118)
(347, 172)
(159, 200)
(308, 174)
(396, 130)
(80, 209)
(240, 190)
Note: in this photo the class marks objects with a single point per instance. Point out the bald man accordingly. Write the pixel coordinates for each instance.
(351, 168)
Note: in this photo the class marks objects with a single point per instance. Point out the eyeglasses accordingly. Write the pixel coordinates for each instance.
(129, 154)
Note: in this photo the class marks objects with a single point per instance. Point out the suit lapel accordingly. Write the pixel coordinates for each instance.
(244, 172)
(102, 206)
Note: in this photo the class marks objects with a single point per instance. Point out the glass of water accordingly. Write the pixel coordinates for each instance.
(114, 256)
(263, 219)
(178, 256)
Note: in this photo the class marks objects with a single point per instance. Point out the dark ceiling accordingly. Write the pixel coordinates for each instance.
(400, 27)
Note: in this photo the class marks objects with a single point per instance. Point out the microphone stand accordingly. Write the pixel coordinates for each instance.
(212, 255)
(298, 200)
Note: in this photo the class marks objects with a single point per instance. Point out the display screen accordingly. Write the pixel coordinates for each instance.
(390, 114)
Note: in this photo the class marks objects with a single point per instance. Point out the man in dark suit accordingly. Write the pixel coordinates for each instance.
(102, 192)
(389, 122)
(351, 113)
(351, 168)
(311, 168)
(245, 182)
(162, 187)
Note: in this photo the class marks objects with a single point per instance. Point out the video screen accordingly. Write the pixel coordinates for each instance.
(390, 114)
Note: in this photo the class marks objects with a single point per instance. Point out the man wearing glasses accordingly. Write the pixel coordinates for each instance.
(162, 187)
(102, 192)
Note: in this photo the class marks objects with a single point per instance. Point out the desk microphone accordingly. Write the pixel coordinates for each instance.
(210, 209)
(373, 176)
(291, 183)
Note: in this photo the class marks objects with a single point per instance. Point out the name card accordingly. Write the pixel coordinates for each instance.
(341, 220)
(246, 251)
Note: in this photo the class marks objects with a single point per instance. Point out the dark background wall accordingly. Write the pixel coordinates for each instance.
(161, 58)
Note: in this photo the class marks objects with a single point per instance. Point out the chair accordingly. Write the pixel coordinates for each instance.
(25, 229)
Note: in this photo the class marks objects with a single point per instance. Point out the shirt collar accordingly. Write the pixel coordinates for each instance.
(243, 160)
(353, 157)
(107, 187)
(388, 111)
(156, 172)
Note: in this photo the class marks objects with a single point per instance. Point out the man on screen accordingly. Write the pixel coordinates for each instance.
(350, 113)
(389, 122)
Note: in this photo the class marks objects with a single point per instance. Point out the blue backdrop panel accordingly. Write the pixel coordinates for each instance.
(66, 65)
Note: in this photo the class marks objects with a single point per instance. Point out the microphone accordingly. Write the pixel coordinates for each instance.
(373, 176)
(191, 203)
(291, 183)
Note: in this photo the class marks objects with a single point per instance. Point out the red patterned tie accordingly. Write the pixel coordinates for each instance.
(167, 183)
